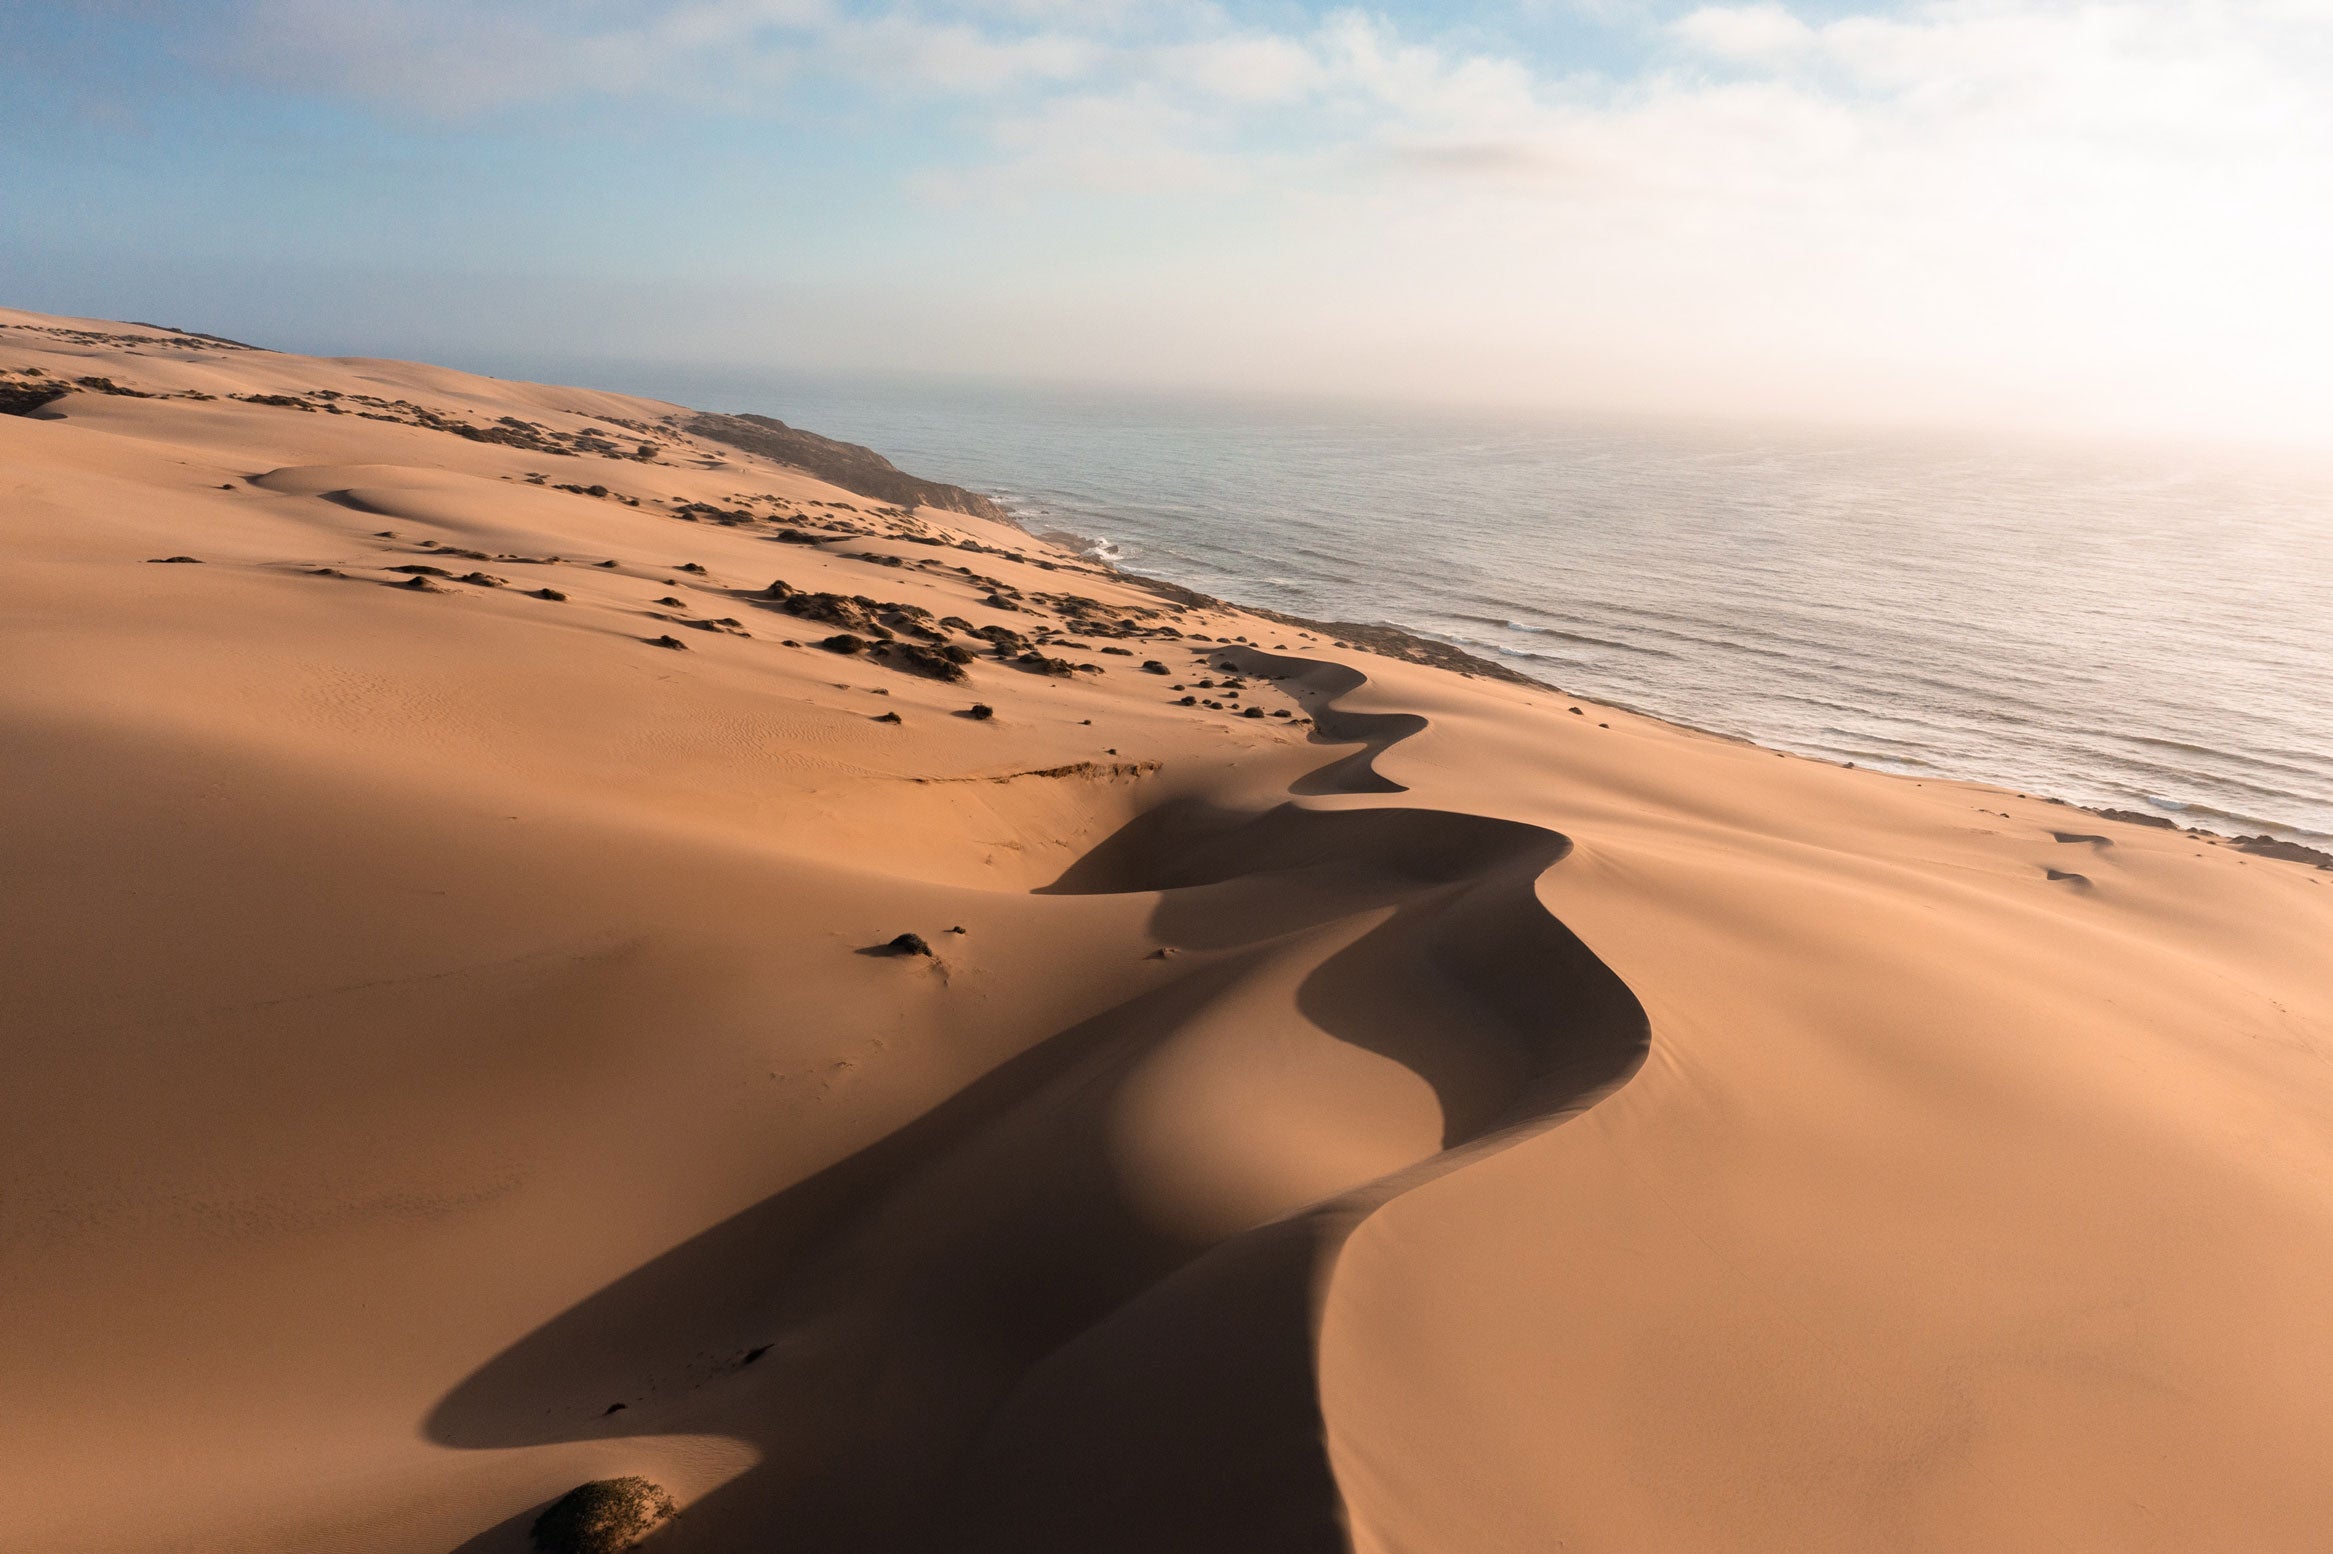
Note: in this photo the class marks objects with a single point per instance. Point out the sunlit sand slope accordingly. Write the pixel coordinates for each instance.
(450, 864)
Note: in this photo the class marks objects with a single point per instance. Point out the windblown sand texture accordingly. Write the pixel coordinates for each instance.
(452, 1052)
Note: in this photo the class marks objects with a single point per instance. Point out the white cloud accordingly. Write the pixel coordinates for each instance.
(2105, 208)
(1750, 32)
(1137, 142)
(952, 57)
(1248, 68)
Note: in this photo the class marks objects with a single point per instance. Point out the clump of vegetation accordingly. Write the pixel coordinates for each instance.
(604, 1516)
(108, 386)
(1038, 663)
(946, 663)
(25, 398)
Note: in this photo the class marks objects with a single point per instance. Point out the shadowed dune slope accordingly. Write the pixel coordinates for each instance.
(1067, 1359)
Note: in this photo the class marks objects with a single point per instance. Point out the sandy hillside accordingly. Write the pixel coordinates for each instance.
(453, 1052)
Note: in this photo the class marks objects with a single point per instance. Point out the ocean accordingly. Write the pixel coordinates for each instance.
(2140, 627)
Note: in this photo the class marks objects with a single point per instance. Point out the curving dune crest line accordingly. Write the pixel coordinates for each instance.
(1135, 1437)
(973, 1335)
(1319, 686)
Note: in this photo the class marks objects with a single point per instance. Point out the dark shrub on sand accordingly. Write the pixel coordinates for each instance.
(604, 1516)
(25, 398)
(913, 658)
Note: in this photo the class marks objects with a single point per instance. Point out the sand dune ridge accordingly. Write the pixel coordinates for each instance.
(460, 1046)
(1097, 1316)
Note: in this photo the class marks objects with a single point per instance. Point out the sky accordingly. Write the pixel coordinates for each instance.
(2040, 213)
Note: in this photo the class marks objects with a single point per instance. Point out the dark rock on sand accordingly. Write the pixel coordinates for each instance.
(2291, 852)
(605, 1516)
(909, 944)
(2138, 818)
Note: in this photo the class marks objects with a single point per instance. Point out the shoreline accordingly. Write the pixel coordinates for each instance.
(1415, 646)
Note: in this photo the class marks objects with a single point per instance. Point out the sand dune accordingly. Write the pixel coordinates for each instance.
(456, 1052)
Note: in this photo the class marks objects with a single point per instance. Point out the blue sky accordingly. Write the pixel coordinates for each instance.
(2097, 215)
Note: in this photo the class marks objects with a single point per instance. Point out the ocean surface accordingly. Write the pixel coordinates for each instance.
(2129, 626)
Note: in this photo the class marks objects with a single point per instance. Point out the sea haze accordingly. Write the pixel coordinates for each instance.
(2132, 627)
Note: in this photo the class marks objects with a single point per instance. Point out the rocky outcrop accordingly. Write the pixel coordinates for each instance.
(844, 464)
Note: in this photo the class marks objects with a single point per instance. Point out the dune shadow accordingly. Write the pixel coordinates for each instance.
(1318, 686)
(965, 1336)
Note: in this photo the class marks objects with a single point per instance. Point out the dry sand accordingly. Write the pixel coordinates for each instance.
(447, 1062)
